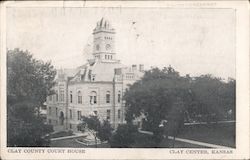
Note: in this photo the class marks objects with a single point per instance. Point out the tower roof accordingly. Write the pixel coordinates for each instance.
(103, 24)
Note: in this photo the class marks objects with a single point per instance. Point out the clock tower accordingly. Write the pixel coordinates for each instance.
(104, 38)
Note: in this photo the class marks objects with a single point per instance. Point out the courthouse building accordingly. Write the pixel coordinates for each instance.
(96, 87)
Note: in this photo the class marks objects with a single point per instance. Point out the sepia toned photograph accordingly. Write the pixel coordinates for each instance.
(121, 77)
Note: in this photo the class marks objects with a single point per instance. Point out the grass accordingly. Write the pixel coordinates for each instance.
(220, 134)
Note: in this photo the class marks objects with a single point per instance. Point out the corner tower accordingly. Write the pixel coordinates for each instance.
(104, 41)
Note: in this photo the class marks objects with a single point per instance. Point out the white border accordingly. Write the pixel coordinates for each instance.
(242, 84)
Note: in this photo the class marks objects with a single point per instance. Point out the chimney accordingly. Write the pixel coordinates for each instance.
(134, 67)
(141, 67)
(118, 71)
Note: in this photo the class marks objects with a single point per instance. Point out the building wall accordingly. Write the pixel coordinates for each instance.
(101, 107)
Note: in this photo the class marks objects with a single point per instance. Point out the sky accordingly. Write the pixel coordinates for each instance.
(192, 41)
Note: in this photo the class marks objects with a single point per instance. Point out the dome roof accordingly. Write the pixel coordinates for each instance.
(103, 23)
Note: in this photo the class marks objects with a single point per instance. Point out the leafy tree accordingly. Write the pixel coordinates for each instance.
(124, 136)
(213, 97)
(29, 82)
(155, 95)
(103, 130)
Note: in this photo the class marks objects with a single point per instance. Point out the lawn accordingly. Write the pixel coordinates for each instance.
(146, 141)
(220, 134)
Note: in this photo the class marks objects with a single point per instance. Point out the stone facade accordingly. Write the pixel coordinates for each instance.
(94, 88)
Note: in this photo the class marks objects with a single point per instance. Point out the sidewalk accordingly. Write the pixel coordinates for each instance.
(190, 141)
(77, 135)
(197, 123)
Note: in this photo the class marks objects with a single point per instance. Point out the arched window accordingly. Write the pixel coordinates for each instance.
(71, 97)
(56, 96)
(79, 97)
(93, 98)
(107, 97)
(119, 97)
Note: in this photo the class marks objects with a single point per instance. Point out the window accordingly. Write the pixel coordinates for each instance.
(50, 98)
(56, 111)
(108, 97)
(49, 110)
(71, 97)
(93, 78)
(61, 95)
(93, 98)
(95, 112)
(79, 99)
(57, 96)
(119, 114)
(79, 114)
(49, 121)
(119, 97)
(108, 114)
(70, 126)
(105, 56)
(70, 114)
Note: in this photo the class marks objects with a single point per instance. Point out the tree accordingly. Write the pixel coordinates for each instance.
(29, 82)
(105, 131)
(213, 97)
(102, 131)
(124, 136)
(155, 95)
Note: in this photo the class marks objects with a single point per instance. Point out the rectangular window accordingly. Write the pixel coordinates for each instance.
(93, 78)
(119, 98)
(70, 126)
(79, 114)
(95, 100)
(79, 99)
(56, 96)
(56, 111)
(71, 97)
(61, 92)
(108, 114)
(50, 98)
(107, 98)
(49, 110)
(91, 99)
(61, 95)
(70, 114)
(119, 114)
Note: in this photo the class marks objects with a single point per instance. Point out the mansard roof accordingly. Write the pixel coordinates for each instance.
(102, 71)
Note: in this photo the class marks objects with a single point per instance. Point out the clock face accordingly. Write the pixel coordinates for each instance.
(108, 47)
